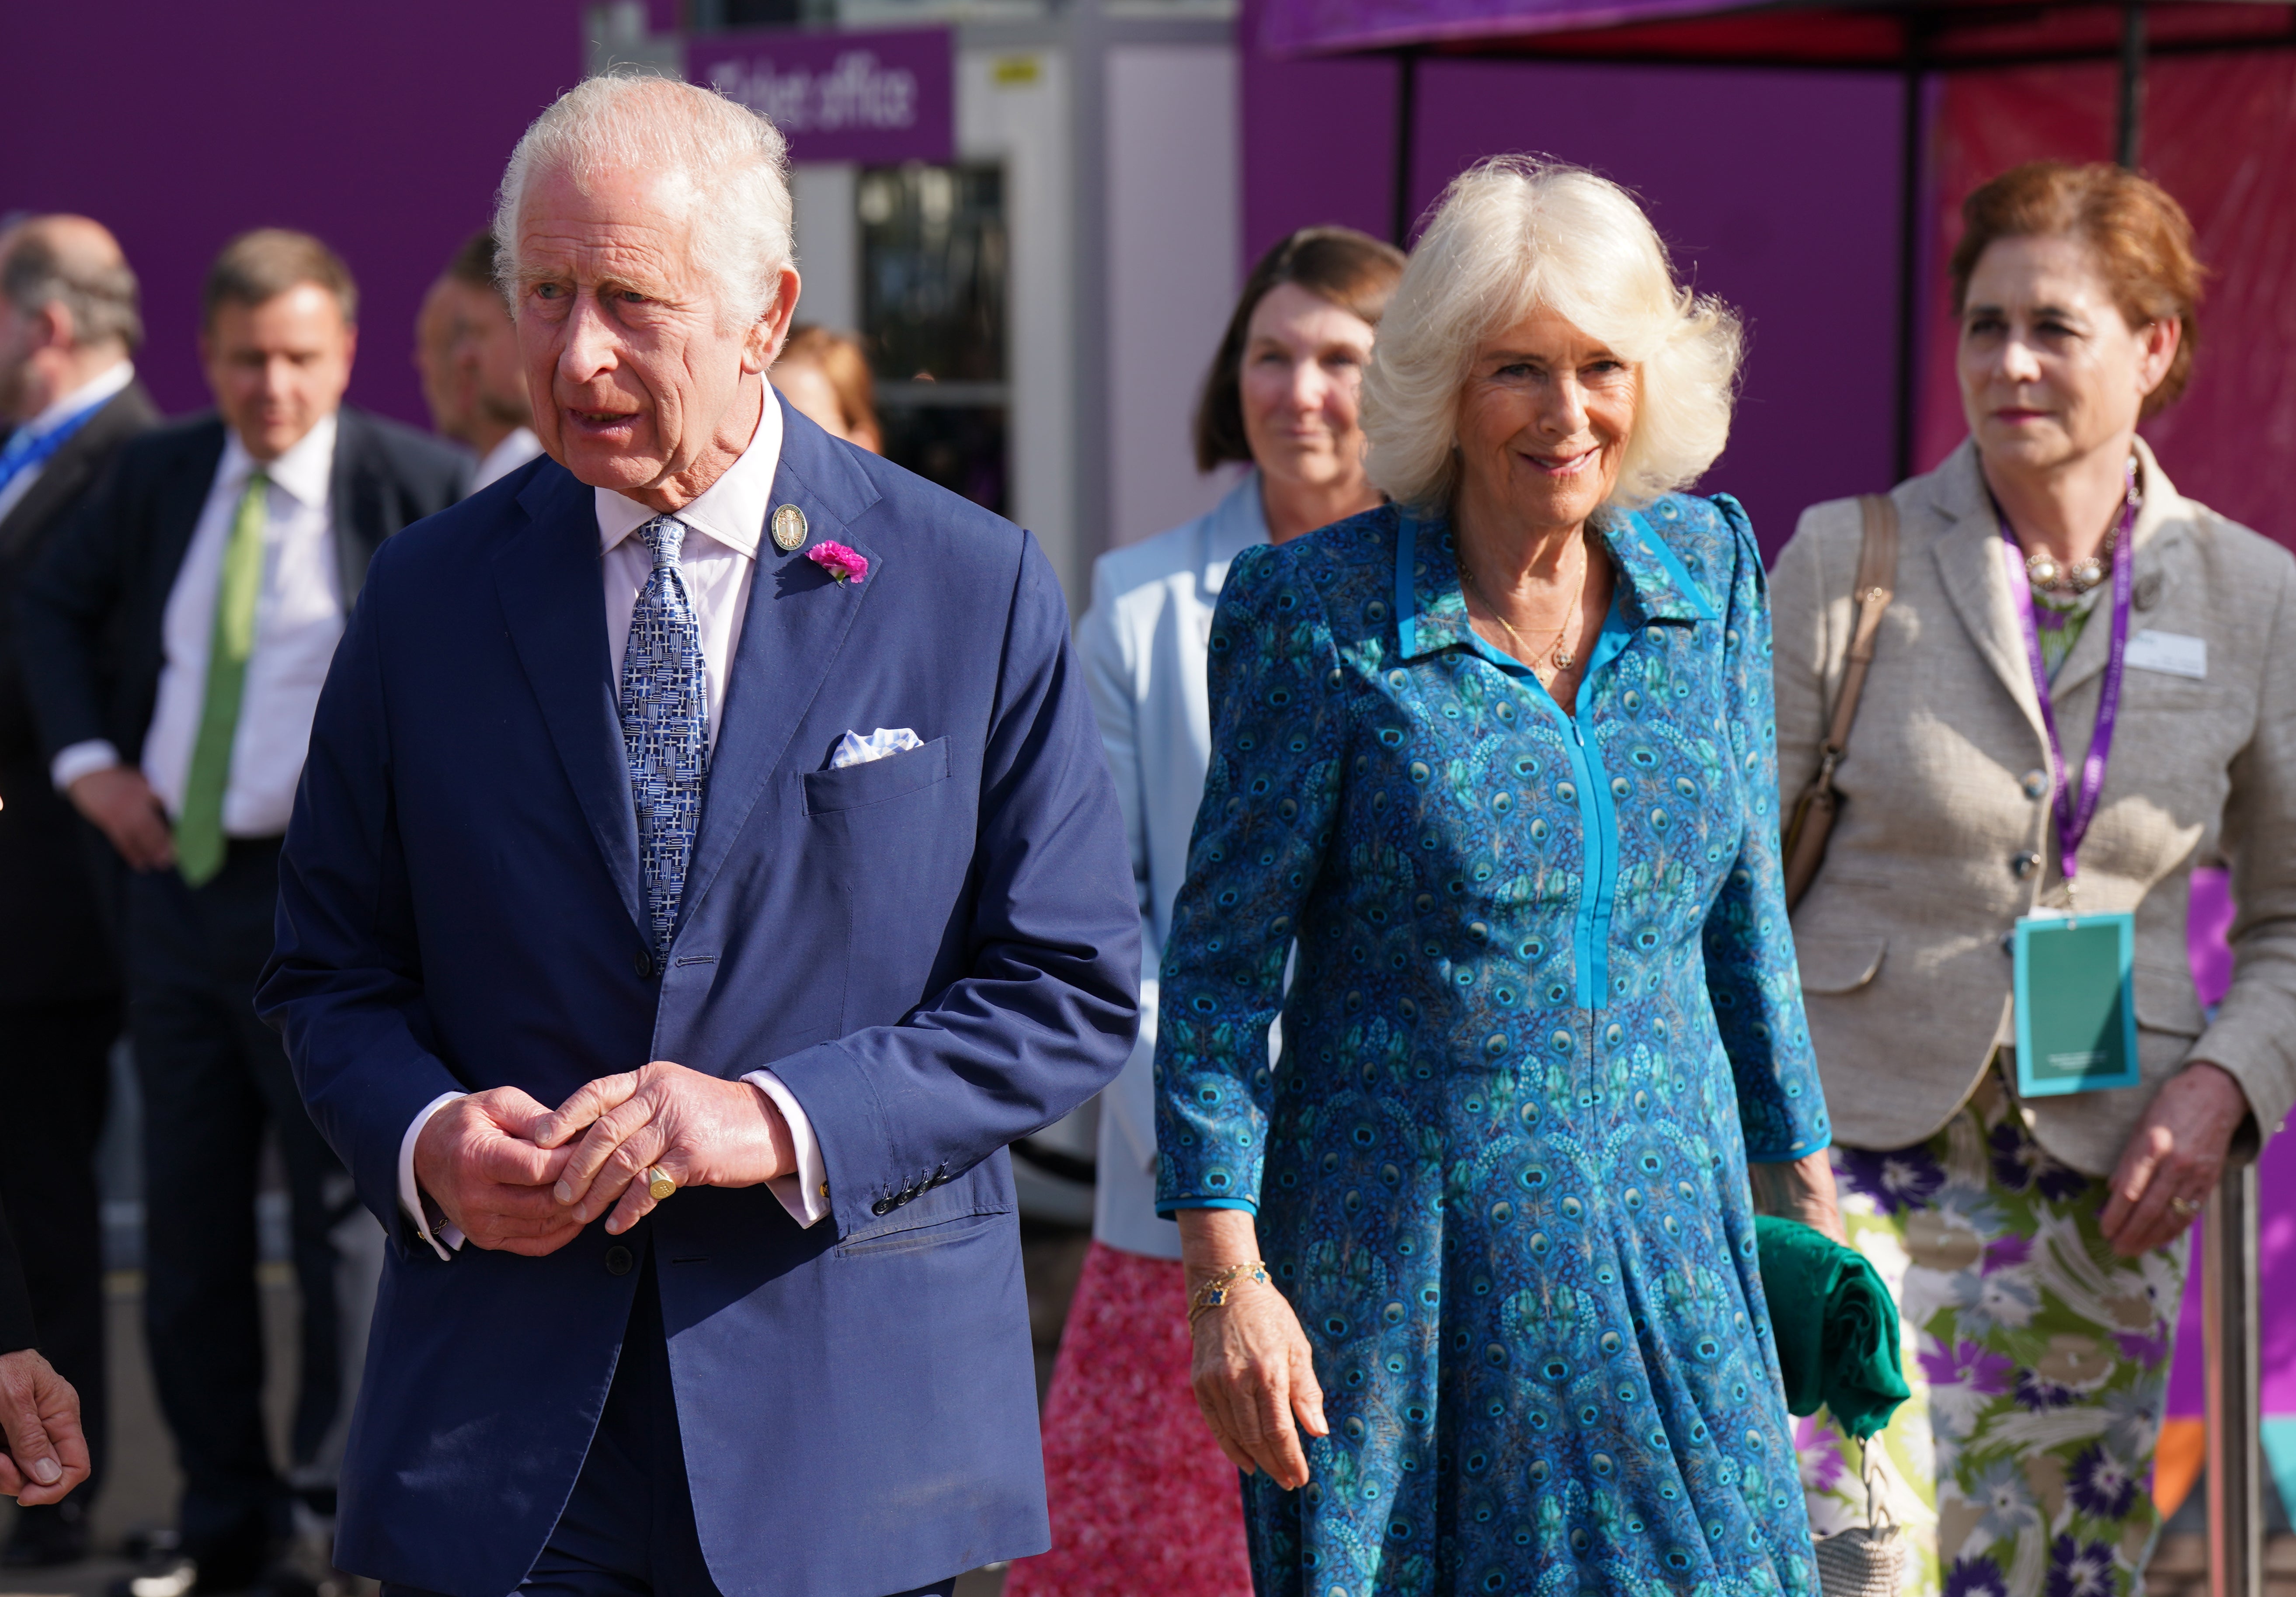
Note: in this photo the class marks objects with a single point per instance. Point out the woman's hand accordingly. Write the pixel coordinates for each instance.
(1800, 1191)
(1253, 1370)
(2176, 1154)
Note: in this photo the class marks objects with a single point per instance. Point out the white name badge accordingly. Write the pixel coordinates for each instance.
(2171, 653)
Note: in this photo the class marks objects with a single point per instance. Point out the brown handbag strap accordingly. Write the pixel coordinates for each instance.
(1877, 576)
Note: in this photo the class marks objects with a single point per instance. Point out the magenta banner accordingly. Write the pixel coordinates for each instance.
(872, 97)
(1304, 27)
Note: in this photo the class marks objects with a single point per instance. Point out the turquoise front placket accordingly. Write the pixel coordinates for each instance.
(1591, 927)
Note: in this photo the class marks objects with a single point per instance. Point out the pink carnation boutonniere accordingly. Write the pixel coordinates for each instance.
(845, 565)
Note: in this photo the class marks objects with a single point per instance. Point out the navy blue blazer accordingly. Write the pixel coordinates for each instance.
(937, 952)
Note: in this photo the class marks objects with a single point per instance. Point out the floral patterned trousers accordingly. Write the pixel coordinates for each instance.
(2038, 1360)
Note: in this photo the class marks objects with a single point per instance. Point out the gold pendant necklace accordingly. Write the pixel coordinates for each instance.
(1560, 656)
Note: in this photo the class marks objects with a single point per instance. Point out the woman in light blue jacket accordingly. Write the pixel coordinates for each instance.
(1140, 1498)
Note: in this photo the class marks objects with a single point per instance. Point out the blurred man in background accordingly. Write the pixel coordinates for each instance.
(435, 329)
(467, 353)
(174, 640)
(68, 325)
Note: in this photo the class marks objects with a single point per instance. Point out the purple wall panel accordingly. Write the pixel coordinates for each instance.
(1319, 143)
(1775, 190)
(383, 129)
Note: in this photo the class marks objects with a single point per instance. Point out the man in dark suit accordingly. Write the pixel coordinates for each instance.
(174, 641)
(69, 328)
(736, 793)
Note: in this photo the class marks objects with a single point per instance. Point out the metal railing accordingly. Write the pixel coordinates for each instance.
(2230, 1328)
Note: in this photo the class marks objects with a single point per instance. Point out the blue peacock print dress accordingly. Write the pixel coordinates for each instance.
(1545, 1012)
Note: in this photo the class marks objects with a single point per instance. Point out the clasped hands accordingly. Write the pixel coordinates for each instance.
(516, 1176)
(43, 1450)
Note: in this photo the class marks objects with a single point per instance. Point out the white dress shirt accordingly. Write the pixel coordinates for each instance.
(87, 396)
(717, 560)
(299, 619)
(505, 457)
(1145, 643)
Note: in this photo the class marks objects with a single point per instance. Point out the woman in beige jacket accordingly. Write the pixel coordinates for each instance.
(2037, 1243)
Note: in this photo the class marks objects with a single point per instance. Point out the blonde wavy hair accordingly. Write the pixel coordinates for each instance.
(1514, 234)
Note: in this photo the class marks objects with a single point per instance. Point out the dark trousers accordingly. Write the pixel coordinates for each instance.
(55, 1081)
(628, 1528)
(214, 1079)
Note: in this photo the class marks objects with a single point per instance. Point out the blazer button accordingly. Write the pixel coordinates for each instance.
(883, 1205)
(642, 964)
(618, 1260)
(2036, 784)
(2025, 865)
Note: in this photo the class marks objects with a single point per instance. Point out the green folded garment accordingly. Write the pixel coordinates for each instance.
(1836, 1326)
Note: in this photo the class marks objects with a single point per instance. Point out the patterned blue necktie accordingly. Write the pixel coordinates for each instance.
(665, 726)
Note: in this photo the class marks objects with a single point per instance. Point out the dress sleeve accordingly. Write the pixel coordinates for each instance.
(1270, 799)
(1750, 973)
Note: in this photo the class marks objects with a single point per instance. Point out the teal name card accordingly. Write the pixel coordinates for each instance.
(2076, 1003)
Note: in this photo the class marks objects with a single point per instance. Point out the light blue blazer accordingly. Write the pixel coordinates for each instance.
(1144, 644)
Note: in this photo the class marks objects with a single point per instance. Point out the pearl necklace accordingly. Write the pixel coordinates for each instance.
(2051, 574)
(2044, 571)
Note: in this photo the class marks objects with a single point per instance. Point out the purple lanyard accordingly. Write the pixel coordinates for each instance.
(2074, 812)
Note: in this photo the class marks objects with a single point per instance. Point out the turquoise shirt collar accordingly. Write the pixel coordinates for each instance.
(1431, 611)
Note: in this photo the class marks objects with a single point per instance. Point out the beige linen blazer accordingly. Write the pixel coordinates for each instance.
(1946, 834)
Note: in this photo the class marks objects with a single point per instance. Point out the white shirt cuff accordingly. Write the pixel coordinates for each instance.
(806, 1194)
(68, 766)
(446, 1238)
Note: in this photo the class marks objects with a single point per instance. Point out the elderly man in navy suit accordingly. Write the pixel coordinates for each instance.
(712, 742)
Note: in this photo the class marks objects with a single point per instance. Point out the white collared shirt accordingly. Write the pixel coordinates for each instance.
(299, 619)
(87, 396)
(520, 447)
(717, 560)
(723, 525)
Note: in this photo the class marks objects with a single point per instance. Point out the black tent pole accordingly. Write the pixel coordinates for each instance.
(1407, 96)
(1909, 244)
(2132, 85)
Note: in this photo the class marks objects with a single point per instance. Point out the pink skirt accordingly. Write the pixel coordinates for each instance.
(1141, 1499)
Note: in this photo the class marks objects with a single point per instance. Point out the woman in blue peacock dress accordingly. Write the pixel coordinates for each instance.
(1477, 1307)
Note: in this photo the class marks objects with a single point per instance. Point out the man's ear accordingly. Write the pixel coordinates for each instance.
(772, 329)
(52, 326)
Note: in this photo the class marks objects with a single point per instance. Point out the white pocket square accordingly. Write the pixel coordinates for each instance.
(854, 749)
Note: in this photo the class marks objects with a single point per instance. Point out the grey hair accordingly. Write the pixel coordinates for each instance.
(734, 163)
(1514, 234)
(101, 295)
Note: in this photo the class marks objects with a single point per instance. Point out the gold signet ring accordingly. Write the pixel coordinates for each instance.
(658, 1185)
(788, 528)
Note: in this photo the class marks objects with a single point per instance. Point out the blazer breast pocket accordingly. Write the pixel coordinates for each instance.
(875, 781)
(896, 837)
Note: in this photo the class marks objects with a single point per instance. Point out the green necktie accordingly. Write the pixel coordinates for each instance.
(199, 829)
